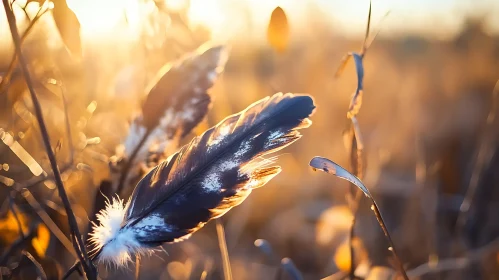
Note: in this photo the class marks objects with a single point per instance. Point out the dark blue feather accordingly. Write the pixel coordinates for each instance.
(216, 170)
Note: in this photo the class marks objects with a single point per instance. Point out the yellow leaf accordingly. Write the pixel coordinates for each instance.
(278, 30)
(41, 241)
(9, 228)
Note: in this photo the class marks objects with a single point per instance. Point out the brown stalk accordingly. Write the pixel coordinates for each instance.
(223, 249)
(129, 164)
(79, 246)
(356, 144)
(328, 166)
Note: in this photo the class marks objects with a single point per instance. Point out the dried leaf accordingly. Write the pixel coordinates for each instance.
(69, 27)
(278, 30)
(331, 167)
(182, 87)
(41, 242)
(9, 228)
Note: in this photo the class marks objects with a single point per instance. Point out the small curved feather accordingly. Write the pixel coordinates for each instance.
(177, 102)
(328, 166)
(181, 87)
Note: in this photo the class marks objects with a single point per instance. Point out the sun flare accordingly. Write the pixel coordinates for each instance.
(101, 17)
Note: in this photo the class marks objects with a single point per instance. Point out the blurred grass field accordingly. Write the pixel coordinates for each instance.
(424, 121)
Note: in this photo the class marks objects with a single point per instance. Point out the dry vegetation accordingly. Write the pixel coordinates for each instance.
(429, 131)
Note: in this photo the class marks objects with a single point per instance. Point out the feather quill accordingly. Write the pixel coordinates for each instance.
(203, 180)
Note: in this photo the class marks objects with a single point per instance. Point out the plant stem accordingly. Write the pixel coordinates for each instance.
(39, 268)
(381, 222)
(137, 267)
(223, 250)
(79, 246)
(129, 163)
(328, 166)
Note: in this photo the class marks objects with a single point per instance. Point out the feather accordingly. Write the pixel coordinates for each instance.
(204, 179)
(187, 80)
(176, 102)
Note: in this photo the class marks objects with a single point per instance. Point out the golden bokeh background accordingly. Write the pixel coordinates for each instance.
(426, 122)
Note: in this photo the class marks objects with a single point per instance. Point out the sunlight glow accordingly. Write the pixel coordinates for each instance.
(231, 19)
(207, 13)
(176, 5)
(100, 17)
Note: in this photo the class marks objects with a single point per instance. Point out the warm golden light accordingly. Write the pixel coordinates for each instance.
(228, 19)
(207, 13)
(176, 5)
(103, 17)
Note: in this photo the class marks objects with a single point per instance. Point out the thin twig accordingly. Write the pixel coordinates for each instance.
(368, 29)
(328, 166)
(79, 246)
(43, 177)
(16, 216)
(222, 243)
(51, 225)
(73, 268)
(356, 144)
(17, 245)
(66, 118)
(39, 268)
(137, 266)
(129, 163)
(358, 166)
(354, 208)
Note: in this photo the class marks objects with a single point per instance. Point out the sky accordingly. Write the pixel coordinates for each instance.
(421, 16)
(230, 18)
